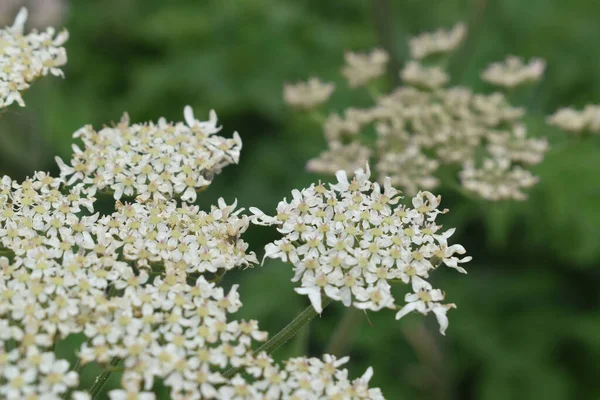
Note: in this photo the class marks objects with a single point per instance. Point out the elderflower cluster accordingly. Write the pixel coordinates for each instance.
(151, 161)
(307, 94)
(424, 126)
(182, 239)
(143, 307)
(25, 58)
(420, 76)
(140, 285)
(438, 42)
(302, 378)
(349, 241)
(514, 72)
(362, 68)
(574, 121)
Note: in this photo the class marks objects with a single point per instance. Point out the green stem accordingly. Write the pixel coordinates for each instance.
(343, 335)
(6, 252)
(102, 378)
(285, 334)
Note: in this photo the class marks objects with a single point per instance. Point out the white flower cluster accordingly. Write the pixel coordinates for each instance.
(360, 69)
(135, 284)
(574, 121)
(421, 76)
(25, 58)
(348, 241)
(514, 72)
(496, 180)
(438, 42)
(158, 161)
(307, 94)
(423, 126)
(302, 378)
(182, 240)
(129, 282)
(346, 157)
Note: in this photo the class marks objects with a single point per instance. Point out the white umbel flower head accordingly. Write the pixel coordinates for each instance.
(418, 75)
(301, 378)
(158, 161)
(307, 95)
(577, 122)
(438, 42)
(497, 179)
(360, 68)
(513, 71)
(27, 57)
(349, 241)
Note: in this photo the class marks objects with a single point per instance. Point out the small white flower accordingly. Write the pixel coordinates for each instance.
(362, 68)
(307, 94)
(348, 241)
(513, 72)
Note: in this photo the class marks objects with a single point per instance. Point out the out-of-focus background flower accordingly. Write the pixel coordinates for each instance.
(528, 319)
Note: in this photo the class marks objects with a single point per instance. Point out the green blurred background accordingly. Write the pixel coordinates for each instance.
(528, 322)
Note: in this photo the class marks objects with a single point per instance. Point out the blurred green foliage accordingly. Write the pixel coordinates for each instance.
(528, 322)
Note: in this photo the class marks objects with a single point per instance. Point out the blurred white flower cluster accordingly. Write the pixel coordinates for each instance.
(438, 42)
(514, 72)
(361, 68)
(424, 126)
(577, 122)
(26, 57)
(349, 241)
(307, 94)
(42, 13)
(152, 161)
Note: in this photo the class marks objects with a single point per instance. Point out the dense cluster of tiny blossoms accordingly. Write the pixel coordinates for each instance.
(140, 285)
(307, 94)
(181, 239)
(513, 71)
(438, 42)
(360, 69)
(349, 241)
(574, 121)
(158, 161)
(302, 378)
(129, 281)
(423, 126)
(25, 58)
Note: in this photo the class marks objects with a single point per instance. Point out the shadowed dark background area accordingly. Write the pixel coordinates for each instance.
(527, 324)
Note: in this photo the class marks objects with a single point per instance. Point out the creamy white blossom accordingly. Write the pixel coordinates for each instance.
(27, 57)
(302, 378)
(361, 68)
(574, 121)
(513, 71)
(158, 161)
(426, 77)
(349, 241)
(496, 179)
(440, 41)
(307, 94)
(425, 127)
